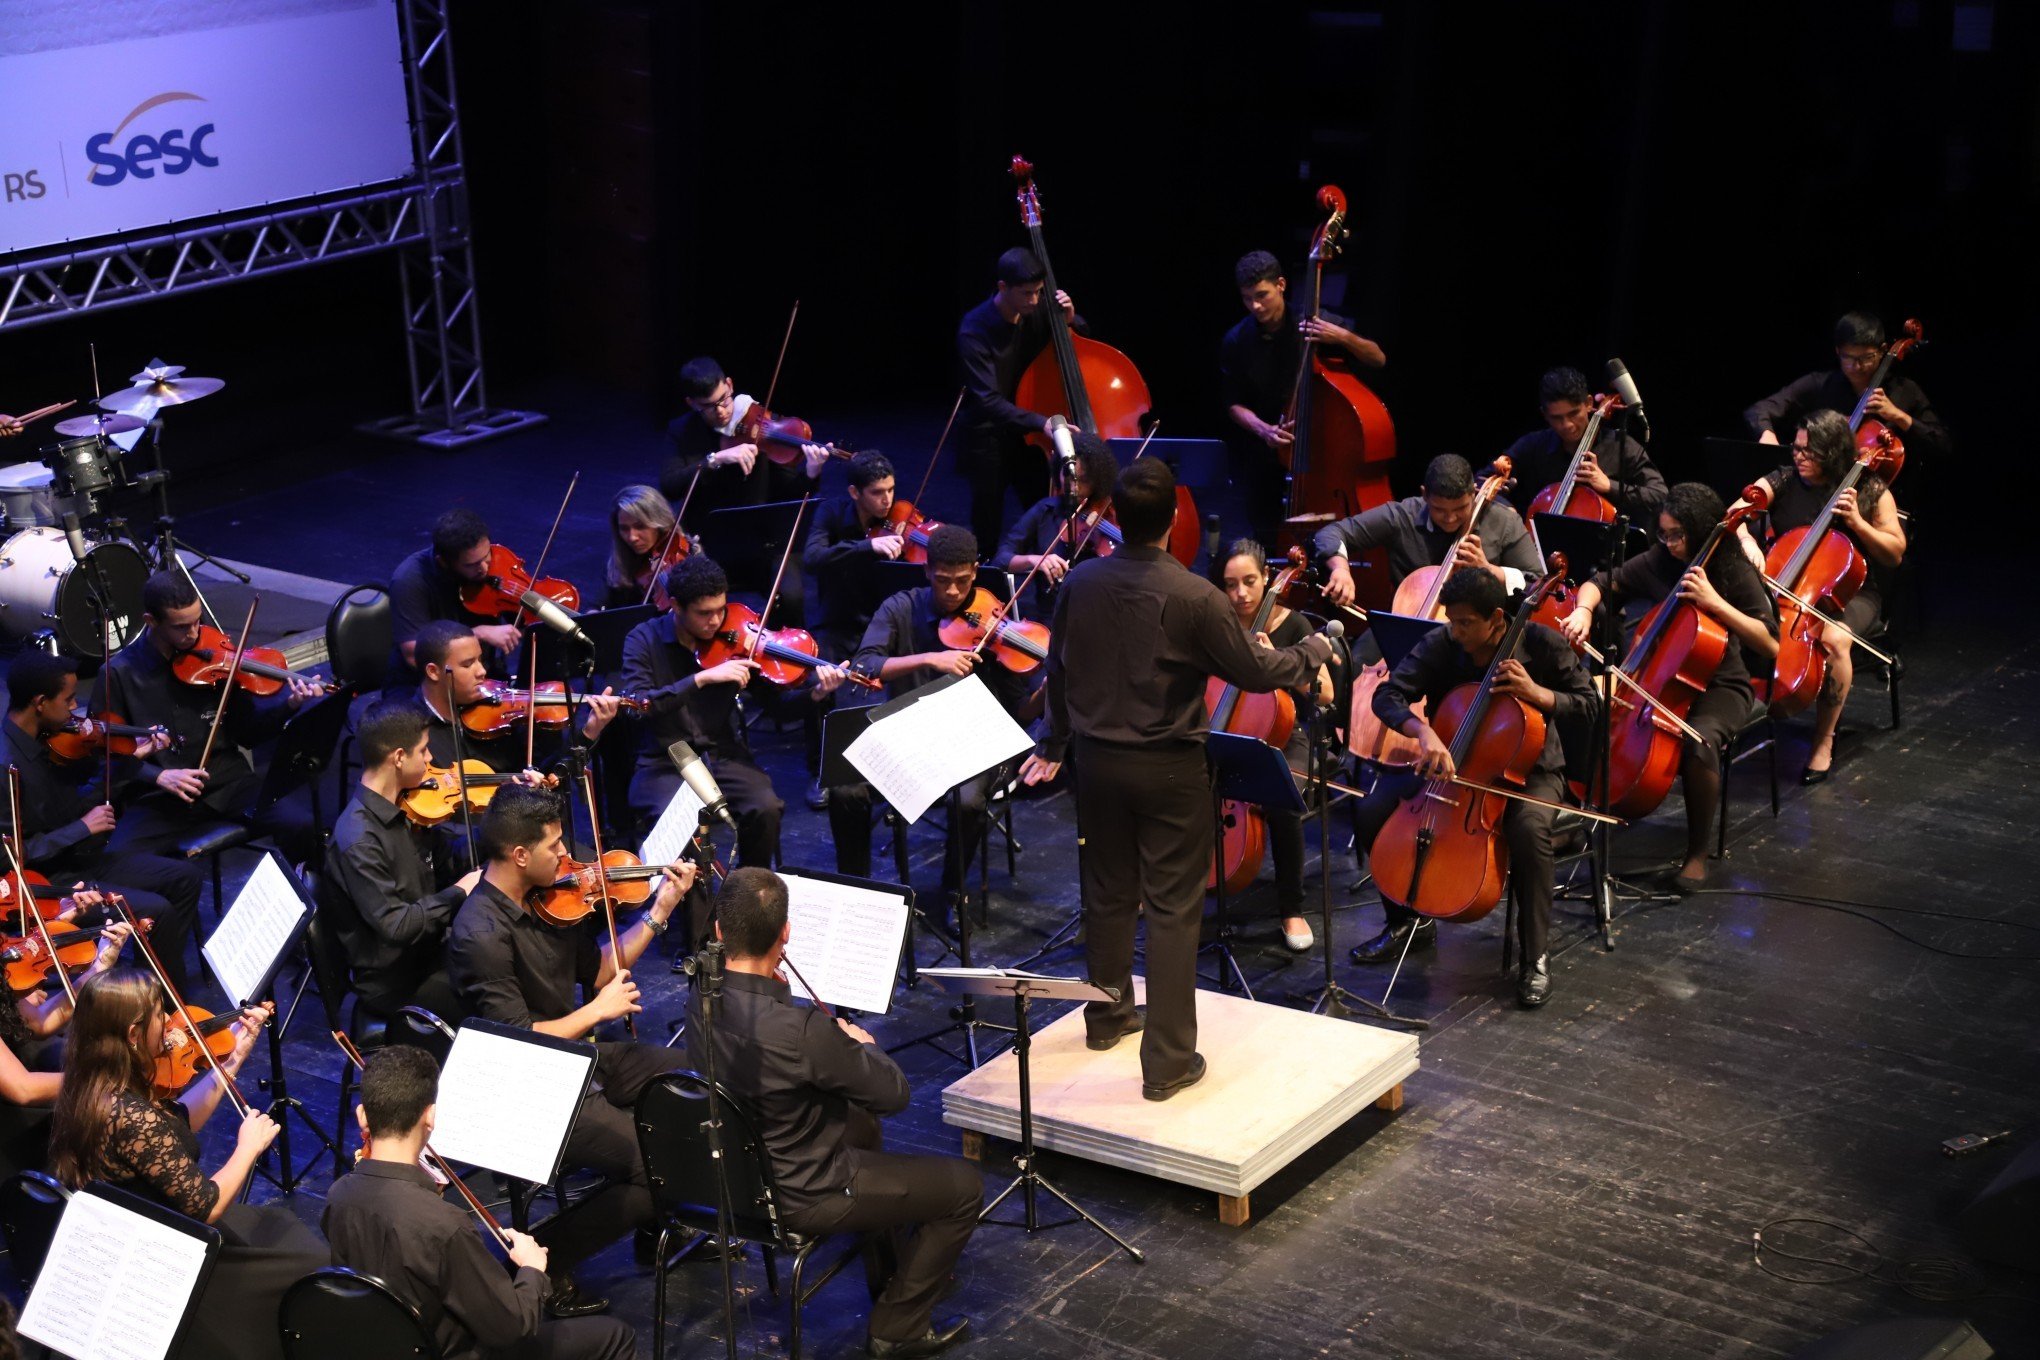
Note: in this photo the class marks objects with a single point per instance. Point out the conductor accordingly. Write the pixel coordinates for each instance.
(1135, 638)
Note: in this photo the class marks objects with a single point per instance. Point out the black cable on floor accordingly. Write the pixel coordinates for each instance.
(1861, 911)
(1931, 1279)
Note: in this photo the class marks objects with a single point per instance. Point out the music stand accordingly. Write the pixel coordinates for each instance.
(1196, 462)
(1729, 465)
(741, 536)
(1397, 635)
(1023, 988)
(1243, 770)
(303, 750)
(1588, 544)
(607, 628)
(840, 727)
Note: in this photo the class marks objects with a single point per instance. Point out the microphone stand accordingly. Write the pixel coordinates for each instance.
(705, 972)
(467, 811)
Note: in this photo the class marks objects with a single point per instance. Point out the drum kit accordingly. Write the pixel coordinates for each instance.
(69, 577)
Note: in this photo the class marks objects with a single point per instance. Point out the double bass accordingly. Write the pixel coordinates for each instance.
(1343, 439)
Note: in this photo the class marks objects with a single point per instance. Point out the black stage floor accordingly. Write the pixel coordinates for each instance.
(1580, 1181)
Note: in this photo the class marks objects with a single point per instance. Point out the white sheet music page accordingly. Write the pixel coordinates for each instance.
(916, 755)
(674, 830)
(115, 1284)
(845, 941)
(508, 1104)
(254, 931)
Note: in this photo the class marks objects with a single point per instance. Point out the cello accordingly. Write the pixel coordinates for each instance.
(1342, 438)
(1567, 495)
(1269, 717)
(1872, 434)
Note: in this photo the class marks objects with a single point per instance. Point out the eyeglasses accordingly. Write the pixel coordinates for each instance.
(1857, 361)
(1668, 539)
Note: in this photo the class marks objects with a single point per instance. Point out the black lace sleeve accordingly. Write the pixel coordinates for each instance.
(152, 1149)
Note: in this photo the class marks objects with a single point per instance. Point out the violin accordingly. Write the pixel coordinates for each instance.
(506, 582)
(1873, 436)
(1102, 533)
(83, 739)
(263, 670)
(499, 706)
(1568, 495)
(1269, 717)
(912, 527)
(784, 655)
(782, 439)
(1342, 440)
(28, 959)
(181, 1060)
(1439, 853)
(49, 901)
(439, 799)
(1021, 647)
(577, 893)
(1092, 384)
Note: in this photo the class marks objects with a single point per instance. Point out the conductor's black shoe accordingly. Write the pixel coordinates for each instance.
(569, 1301)
(1533, 989)
(1182, 1083)
(938, 1338)
(1421, 933)
(1135, 1026)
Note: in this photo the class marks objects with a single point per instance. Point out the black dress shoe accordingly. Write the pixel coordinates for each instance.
(1421, 933)
(1138, 1023)
(1182, 1083)
(1533, 989)
(1684, 886)
(645, 1242)
(938, 1338)
(568, 1301)
(1810, 776)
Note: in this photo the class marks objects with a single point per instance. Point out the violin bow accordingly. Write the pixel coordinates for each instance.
(474, 1202)
(936, 456)
(538, 568)
(227, 690)
(820, 1004)
(765, 614)
(616, 962)
(22, 890)
(779, 363)
(106, 644)
(191, 1030)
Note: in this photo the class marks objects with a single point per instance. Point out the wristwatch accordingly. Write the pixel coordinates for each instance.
(658, 926)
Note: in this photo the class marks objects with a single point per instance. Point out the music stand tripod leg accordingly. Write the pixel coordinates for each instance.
(1221, 933)
(290, 1177)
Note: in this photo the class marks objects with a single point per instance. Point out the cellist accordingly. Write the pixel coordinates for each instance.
(1616, 468)
(1822, 450)
(1727, 590)
(1546, 677)
(1418, 531)
(1859, 341)
(995, 342)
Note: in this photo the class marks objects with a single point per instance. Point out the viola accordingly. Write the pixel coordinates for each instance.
(784, 655)
(1439, 853)
(1021, 647)
(782, 439)
(505, 583)
(263, 670)
(446, 790)
(577, 893)
(84, 739)
(1873, 436)
(181, 1060)
(1093, 385)
(1269, 717)
(1416, 596)
(1342, 440)
(1568, 495)
(499, 706)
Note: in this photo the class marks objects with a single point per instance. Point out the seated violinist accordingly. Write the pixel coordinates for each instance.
(1042, 535)
(1616, 468)
(32, 1021)
(174, 795)
(640, 530)
(843, 542)
(1545, 676)
(450, 662)
(513, 967)
(1727, 590)
(426, 586)
(66, 824)
(709, 446)
(378, 883)
(903, 647)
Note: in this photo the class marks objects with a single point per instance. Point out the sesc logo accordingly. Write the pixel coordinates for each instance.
(143, 155)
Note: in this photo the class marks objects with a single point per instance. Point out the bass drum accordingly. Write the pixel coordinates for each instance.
(44, 589)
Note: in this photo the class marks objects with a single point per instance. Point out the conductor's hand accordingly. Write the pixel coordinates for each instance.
(524, 1250)
(257, 1132)
(1339, 583)
(618, 997)
(1434, 757)
(1035, 770)
(950, 662)
(188, 785)
(735, 671)
(855, 1032)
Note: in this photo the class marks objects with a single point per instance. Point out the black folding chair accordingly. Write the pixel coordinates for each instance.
(342, 1314)
(31, 1205)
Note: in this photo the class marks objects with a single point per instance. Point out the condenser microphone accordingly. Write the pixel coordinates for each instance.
(695, 773)
(552, 616)
(1625, 388)
(74, 535)
(1059, 435)
(1211, 537)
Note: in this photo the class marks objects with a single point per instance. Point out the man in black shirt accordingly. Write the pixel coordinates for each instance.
(510, 967)
(175, 796)
(452, 673)
(1257, 363)
(995, 342)
(1420, 530)
(1044, 537)
(814, 1090)
(377, 881)
(1859, 347)
(426, 586)
(903, 647)
(1136, 636)
(1616, 466)
(66, 823)
(1543, 675)
(840, 554)
(388, 1218)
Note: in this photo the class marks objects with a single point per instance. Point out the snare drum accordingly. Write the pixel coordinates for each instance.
(43, 588)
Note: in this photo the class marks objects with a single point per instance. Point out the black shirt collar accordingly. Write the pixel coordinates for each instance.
(758, 985)
(409, 1173)
(377, 806)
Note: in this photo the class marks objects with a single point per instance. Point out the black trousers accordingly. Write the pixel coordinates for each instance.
(995, 463)
(157, 822)
(943, 1195)
(162, 890)
(1526, 829)
(758, 808)
(583, 1338)
(850, 825)
(1144, 838)
(1717, 714)
(1285, 835)
(604, 1141)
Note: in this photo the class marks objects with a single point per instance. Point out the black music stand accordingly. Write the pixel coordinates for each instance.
(1397, 635)
(741, 537)
(1588, 544)
(605, 630)
(303, 750)
(1729, 465)
(1244, 770)
(1201, 463)
(1023, 988)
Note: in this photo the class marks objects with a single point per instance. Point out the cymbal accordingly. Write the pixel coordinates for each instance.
(85, 426)
(146, 398)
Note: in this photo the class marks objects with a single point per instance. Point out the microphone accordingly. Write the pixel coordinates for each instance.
(1059, 435)
(695, 772)
(548, 613)
(1332, 631)
(1625, 387)
(1211, 536)
(74, 535)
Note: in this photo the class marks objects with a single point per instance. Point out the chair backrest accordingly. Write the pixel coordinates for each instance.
(329, 967)
(31, 1203)
(339, 1314)
(673, 1134)
(420, 1028)
(359, 636)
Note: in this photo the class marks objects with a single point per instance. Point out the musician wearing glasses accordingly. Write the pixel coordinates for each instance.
(1859, 341)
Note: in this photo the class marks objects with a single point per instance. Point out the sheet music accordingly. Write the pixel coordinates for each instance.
(72, 1309)
(915, 756)
(255, 930)
(508, 1104)
(846, 941)
(674, 830)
